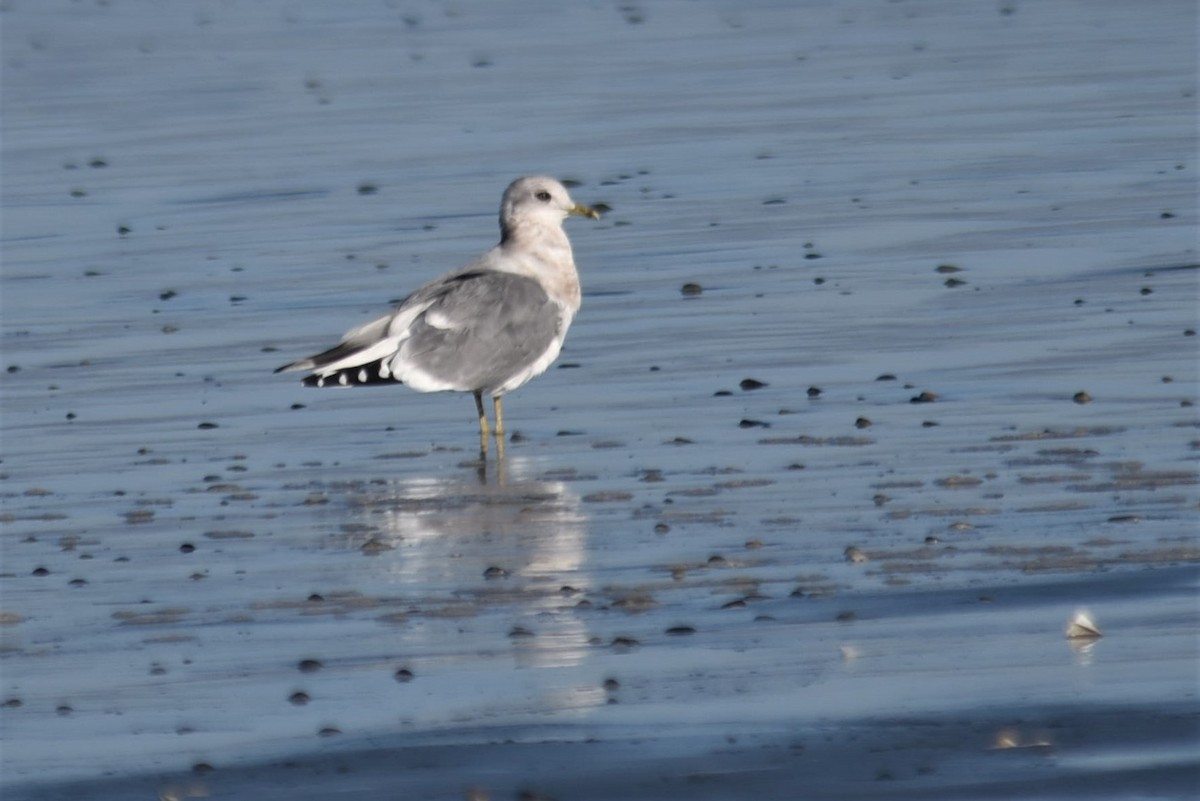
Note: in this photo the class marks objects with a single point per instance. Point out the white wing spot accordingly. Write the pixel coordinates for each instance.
(438, 320)
(362, 376)
(343, 380)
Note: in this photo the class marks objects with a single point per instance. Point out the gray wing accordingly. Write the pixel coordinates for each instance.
(480, 329)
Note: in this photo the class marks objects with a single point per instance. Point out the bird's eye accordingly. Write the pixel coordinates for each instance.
(543, 196)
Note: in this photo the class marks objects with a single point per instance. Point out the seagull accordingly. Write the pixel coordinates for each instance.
(485, 328)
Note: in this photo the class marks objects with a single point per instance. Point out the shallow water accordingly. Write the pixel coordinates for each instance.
(650, 596)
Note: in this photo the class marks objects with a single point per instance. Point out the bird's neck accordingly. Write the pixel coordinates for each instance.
(544, 253)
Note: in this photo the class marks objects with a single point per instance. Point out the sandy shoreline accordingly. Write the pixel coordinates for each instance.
(812, 530)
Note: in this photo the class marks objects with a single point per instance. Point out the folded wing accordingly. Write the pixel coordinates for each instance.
(475, 330)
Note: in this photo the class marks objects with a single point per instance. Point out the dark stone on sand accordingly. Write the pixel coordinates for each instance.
(309, 665)
(924, 397)
(751, 384)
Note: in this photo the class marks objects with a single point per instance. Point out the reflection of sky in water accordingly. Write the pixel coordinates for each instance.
(489, 544)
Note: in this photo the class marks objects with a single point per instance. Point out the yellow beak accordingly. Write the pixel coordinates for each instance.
(580, 210)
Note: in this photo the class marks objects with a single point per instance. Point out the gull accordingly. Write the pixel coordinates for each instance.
(485, 328)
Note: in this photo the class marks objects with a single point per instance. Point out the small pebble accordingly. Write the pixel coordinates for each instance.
(855, 555)
(1081, 398)
(374, 547)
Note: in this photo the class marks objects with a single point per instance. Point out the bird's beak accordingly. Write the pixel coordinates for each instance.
(580, 210)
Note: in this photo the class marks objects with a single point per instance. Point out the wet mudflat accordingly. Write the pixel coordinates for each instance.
(886, 367)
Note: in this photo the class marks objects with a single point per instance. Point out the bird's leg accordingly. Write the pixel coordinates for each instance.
(483, 424)
(499, 440)
(499, 418)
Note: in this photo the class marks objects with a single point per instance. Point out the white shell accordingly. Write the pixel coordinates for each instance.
(1081, 627)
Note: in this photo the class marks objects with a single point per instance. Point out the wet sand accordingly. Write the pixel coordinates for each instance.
(811, 527)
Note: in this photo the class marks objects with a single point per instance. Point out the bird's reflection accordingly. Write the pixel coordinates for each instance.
(478, 543)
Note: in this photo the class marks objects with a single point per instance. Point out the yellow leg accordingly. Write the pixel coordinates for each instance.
(499, 440)
(483, 424)
(499, 418)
